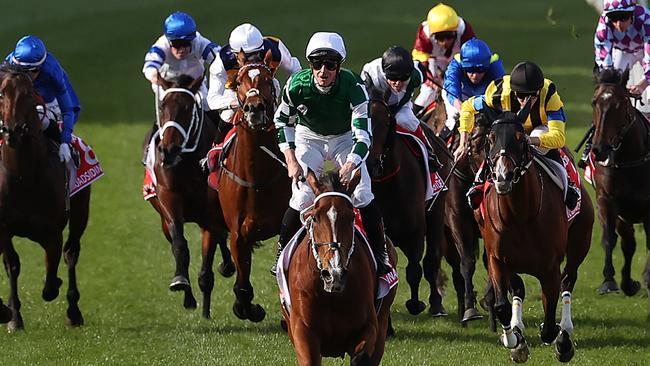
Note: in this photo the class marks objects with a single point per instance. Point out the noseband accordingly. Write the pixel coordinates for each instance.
(520, 168)
(196, 124)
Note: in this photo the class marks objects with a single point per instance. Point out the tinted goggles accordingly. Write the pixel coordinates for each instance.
(397, 76)
(331, 65)
(522, 95)
(181, 43)
(474, 70)
(441, 36)
(619, 16)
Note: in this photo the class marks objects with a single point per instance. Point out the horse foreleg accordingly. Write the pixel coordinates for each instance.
(550, 292)
(181, 252)
(53, 245)
(628, 246)
(227, 267)
(646, 270)
(435, 235)
(12, 266)
(607, 216)
(79, 212)
(243, 307)
(413, 277)
(306, 345)
(206, 276)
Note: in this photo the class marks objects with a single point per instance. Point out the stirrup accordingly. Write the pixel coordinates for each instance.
(475, 196)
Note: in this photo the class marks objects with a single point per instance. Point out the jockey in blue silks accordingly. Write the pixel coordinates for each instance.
(468, 75)
(51, 83)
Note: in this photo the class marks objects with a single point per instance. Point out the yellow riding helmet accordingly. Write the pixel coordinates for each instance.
(442, 18)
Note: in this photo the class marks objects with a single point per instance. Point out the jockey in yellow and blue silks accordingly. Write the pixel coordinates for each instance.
(468, 75)
(52, 84)
(545, 124)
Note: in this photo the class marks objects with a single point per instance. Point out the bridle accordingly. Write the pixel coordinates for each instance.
(252, 92)
(520, 167)
(192, 135)
(22, 128)
(335, 245)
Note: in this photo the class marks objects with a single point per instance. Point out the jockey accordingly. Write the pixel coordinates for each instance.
(622, 39)
(395, 70)
(180, 50)
(545, 124)
(222, 95)
(323, 116)
(438, 39)
(468, 75)
(52, 84)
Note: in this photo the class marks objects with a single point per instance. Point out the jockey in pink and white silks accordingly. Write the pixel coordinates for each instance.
(52, 84)
(222, 95)
(622, 40)
(180, 50)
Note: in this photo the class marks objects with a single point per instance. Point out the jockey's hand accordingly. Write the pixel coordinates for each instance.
(294, 169)
(636, 90)
(64, 152)
(345, 174)
(461, 151)
(155, 80)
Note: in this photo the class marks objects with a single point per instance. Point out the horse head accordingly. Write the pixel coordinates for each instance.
(256, 92)
(180, 120)
(18, 116)
(383, 128)
(330, 224)
(613, 114)
(508, 153)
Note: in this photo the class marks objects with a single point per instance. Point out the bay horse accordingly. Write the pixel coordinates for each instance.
(332, 282)
(621, 149)
(399, 184)
(182, 193)
(34, 200)
(525, 230)
(254, 188)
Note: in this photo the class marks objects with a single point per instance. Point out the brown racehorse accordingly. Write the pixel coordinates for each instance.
(621, 146)
(399, 183)
(33, 202)
(525, 230)
(182, 194)
(254, 188)
(332, 283)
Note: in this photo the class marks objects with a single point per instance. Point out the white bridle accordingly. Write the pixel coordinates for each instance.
(196, 124)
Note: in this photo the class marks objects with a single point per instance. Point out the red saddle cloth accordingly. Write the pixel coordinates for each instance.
(213, 158)
(413, 144)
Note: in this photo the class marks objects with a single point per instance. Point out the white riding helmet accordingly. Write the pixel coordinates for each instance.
(246, 37)
(326, 41)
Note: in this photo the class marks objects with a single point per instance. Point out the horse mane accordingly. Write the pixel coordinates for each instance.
(181, 81)
(331, 181)
(608, 76)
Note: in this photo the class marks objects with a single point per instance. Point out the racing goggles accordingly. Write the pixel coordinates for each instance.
(524, 95)
(330, 65)
(441, 36)
(619, 16)
(474, 70)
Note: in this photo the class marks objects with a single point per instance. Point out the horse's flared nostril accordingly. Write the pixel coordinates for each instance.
(326, 275)
(510, 175)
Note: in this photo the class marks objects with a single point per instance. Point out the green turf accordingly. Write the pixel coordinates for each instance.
(126, 265)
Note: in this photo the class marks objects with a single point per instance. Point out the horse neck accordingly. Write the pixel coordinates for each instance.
(523, 203)
(635, 142)
(27, 159)
(247, 144)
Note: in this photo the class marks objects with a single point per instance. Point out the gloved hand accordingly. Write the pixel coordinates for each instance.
(64, 152)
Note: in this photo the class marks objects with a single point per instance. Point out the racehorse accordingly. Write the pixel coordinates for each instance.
(332, 282)
(254, 188)
(34, 199)
(399, 183)
(182, 194)
(525, 230)
(621, 148)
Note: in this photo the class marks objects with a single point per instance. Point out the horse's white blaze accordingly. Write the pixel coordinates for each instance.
(332, 215)
(606, 95)
(335, 262)
(252, 73)
(566, 323)
(501, 170)
(517, 320)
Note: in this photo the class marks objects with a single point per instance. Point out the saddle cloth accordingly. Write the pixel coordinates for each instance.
(214, 158)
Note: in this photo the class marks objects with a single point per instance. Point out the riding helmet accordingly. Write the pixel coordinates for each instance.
(526, 77)
(475, 54)
(326, 45)
(180, 26)
(397, 63)
(30, 52)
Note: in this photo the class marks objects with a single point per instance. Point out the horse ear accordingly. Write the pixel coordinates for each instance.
(625, 76)
(241, 58)
(163, 83)
(313, 182)
(268, 57)
(356, 178)
(196, 84)
(522, 115)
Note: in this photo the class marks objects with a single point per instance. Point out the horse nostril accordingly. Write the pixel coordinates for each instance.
(510, 175)
(326, 275)
(247, 108)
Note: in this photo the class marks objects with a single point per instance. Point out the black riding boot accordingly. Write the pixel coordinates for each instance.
(584, 159)
(373, 224)
(290, 224)
(417, 110)
(223, 127)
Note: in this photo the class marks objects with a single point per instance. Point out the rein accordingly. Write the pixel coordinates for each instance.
(193, 133)
(334, 246)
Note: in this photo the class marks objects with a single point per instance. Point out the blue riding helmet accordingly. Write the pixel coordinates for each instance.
(475, 54)
(180, 26)
(30, 53)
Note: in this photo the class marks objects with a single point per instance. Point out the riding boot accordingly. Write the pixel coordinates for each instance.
(572, 195)
(290, 224)
(432, 159)
(445, 133)
(584, 159)
(373, 224)
(223, 128)
(476, 192)
(417, 109)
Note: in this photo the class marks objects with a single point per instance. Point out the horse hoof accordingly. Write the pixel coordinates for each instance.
(550, 335)
(74, 318)
(608, 287)
(226, 269)
(415, 307)
(15, 326)
(438, 311)
(179, 283)
(564, 349)
(51, 289)
(239, 311)
(284, 326)
(520, 353)
(256, 313)
(471, 314)
(189, 302)
(630, 288)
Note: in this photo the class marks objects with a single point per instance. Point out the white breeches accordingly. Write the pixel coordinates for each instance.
(405, 117)
(312, 150)
(633, 61)
(427, 95)
(452, 113)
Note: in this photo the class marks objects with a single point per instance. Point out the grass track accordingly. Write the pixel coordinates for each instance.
(125, 265)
